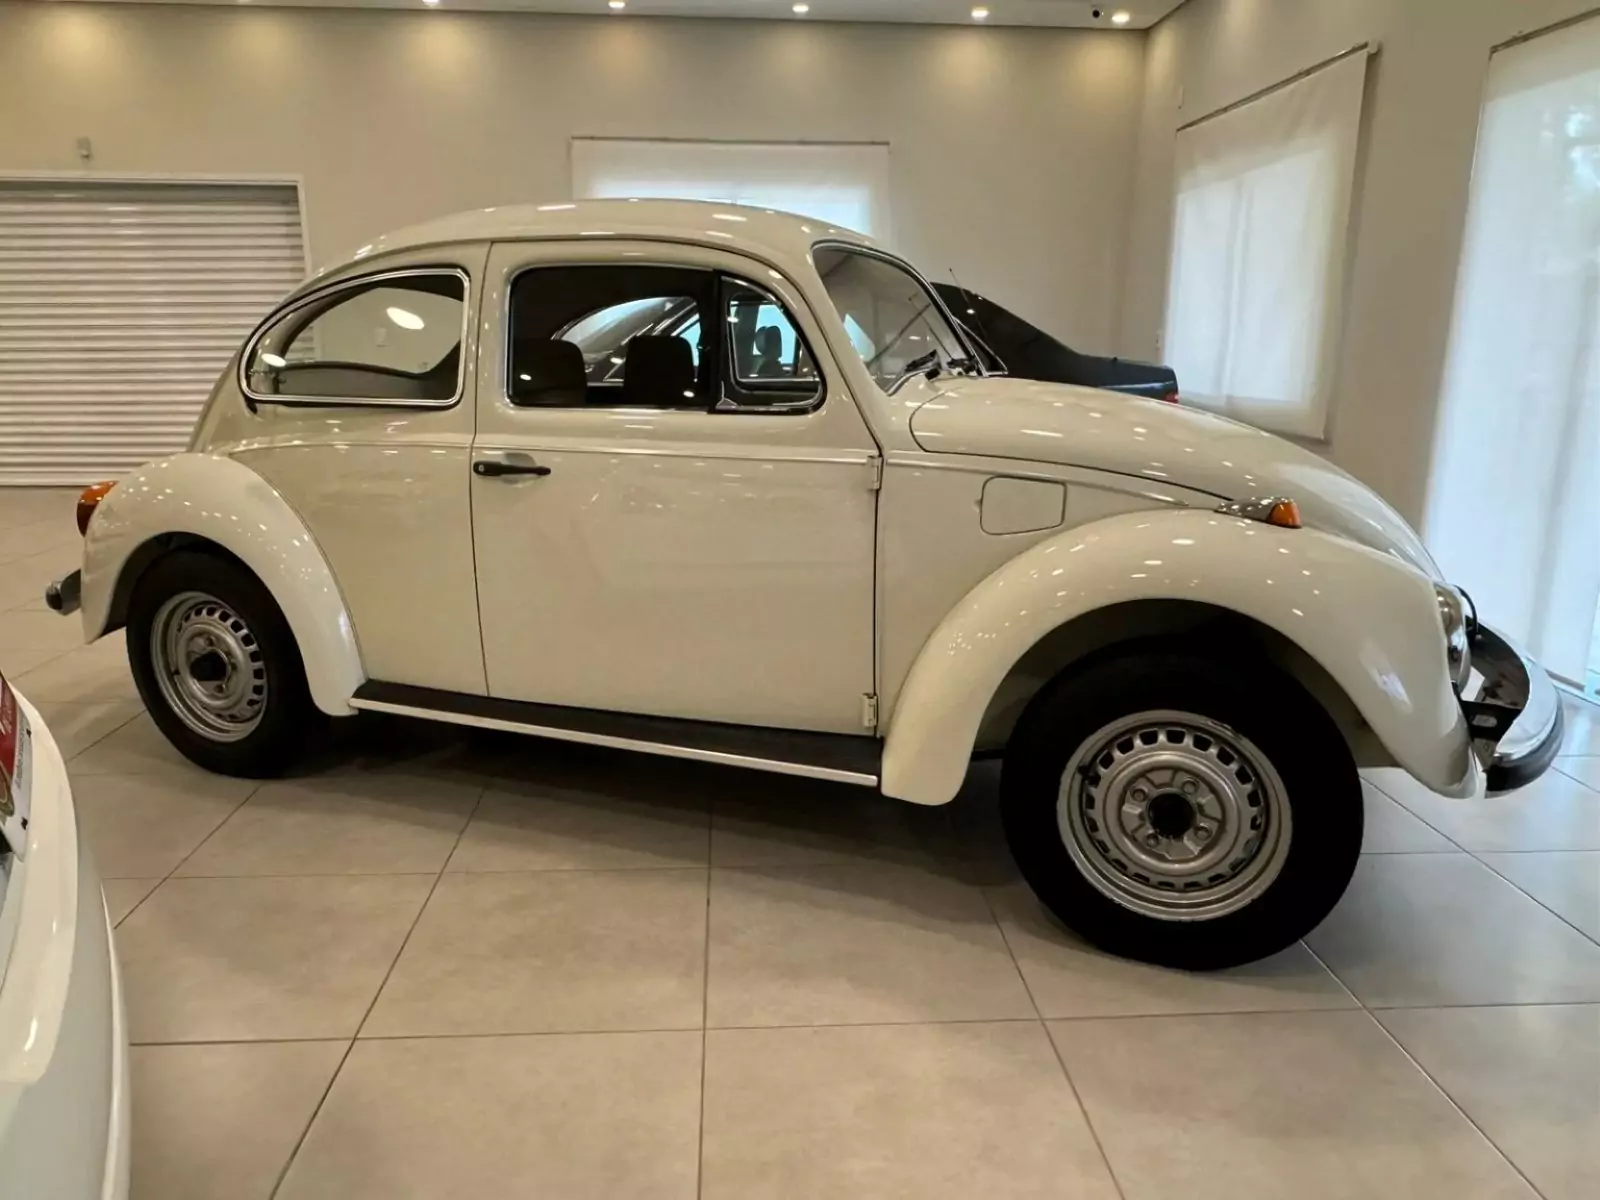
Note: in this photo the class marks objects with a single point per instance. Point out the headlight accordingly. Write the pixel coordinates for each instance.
(1453, 615)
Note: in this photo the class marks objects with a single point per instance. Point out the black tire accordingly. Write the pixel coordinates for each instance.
(1275, 716)
(287, 716)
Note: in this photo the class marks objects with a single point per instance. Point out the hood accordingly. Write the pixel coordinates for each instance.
(1160, 444)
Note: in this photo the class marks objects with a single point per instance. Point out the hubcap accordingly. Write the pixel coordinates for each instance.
(209, 666)
(1174, 815)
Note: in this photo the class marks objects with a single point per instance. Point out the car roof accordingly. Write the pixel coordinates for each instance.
(765, 233)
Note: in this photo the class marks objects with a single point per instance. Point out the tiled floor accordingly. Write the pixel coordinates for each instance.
(466, 966)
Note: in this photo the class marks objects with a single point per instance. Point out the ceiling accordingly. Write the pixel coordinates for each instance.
(1068, 14)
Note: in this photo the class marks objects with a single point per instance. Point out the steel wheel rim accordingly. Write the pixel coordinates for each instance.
(1174, 816)
(209, 667)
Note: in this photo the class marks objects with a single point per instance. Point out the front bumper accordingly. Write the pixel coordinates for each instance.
(1515, 717)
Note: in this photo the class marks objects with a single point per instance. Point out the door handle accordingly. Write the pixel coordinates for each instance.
(491, 468)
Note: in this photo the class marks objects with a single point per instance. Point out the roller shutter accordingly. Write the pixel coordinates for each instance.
(120, 304)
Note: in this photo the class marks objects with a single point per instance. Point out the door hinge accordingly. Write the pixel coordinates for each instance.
(869, 711)
(874, 473)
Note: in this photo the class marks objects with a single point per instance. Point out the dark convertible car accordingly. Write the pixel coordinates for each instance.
(1019, 348)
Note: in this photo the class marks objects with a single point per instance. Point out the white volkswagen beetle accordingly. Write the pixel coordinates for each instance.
(728, 484)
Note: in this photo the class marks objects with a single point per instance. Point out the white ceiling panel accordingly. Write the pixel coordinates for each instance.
(1061, 14)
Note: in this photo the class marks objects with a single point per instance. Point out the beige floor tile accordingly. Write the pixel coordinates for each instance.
(140, 826)
(1582, 727)
(1584, 768)
(137, 747)
(927, 1111)
(855, 944)
(1391, 829)
(29, 630)
(1555, 812)
(1418, 930)
(24, 579)
(552, 951)
(1273, 1105)
(18, 661)
(340, 825)
(1567, 882)
(221, 1120)
(605, 1116)
(98, 671)
(1528, 1076)
(27, 534)
(1070, 978)
(78, 727)
(553, 828)
(124, 895)
(252, 959)
(777, 821)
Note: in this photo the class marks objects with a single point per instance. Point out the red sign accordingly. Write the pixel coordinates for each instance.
(10, 735)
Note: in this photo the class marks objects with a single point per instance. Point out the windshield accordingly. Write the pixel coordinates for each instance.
(891, 317)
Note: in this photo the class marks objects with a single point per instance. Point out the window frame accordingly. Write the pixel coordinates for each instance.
(717, 345)
(895, 261)
(731, 389)
(349, 284)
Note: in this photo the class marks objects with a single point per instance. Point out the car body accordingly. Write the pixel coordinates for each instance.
(1010, 345)
(63, 1038)
(810, 536)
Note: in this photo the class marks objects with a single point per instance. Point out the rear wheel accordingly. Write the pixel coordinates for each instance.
(1182, 811)
(217, 665)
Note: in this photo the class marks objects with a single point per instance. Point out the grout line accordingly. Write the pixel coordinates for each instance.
(1476, 856)
(705, 1021)
(1518, 887)
(1061, 1062)
(294, 1152)
(1437, 1086)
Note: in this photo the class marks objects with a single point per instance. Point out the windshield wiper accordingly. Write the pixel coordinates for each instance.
(928, 364)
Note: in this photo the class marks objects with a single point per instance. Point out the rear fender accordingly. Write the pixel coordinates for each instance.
(1370, 621)
(219, 500)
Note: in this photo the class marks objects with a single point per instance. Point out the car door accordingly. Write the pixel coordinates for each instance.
(677, 521)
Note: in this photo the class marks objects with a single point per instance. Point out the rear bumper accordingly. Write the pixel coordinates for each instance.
(65, 594)
(1516, 718)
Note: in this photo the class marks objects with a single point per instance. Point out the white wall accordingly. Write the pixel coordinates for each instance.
(1424, 92)
(1011, 149)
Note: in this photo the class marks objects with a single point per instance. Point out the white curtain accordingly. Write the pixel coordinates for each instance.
(1258, 249)
(1514, 499)
(840, 184)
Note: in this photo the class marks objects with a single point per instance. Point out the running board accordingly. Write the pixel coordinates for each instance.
(842, 758)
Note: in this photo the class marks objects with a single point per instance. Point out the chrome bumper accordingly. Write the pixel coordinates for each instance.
(65, 594)
(1515, 717)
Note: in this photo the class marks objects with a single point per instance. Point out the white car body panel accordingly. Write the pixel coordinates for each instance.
(1368, 620)
(740, 567)
(63, 1037)
(679, 563)
(222, 500)
(1161, 444)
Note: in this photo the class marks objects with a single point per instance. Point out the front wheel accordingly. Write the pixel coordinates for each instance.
(218, 666)
(1182, 811)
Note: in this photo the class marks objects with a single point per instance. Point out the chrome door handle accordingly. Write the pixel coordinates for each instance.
(491, 468)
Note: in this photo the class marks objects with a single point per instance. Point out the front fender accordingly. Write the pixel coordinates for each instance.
(225, 502)
(1370, 621)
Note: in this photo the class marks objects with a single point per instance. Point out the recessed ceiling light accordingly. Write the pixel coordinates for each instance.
(980, 14)
(1121, 17)
(431, 3)
(802, 9)
(619, 5)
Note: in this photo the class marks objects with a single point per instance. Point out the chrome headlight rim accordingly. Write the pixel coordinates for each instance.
(1454, 607)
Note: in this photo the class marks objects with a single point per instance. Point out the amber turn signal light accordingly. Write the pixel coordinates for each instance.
(89, 500)
(1286, 514)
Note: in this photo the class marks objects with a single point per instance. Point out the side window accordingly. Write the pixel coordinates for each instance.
(394, 339)
(768, 362)
(609, 336)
